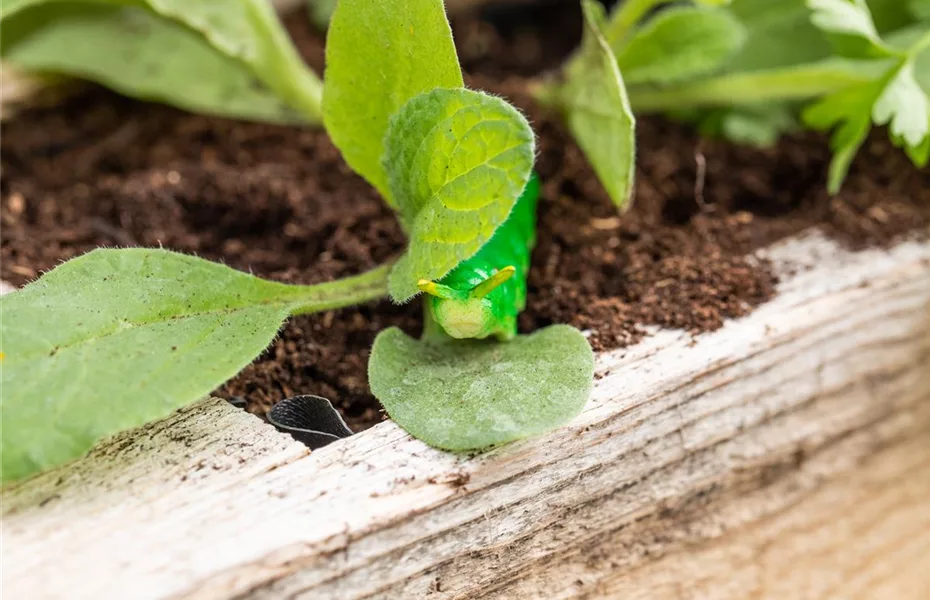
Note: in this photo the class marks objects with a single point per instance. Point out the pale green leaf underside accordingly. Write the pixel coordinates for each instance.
(116, 338)
(680, 43)
(230, 59)
(379, 55)
(849, 25)
(457, 160)
(598, 113)
(472, 394)
(904, 106)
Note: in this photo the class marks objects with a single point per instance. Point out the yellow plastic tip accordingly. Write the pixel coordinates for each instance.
(488, 285)
(428, 286)
(437, 289)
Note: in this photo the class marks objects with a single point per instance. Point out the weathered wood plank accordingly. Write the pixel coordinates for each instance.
(782, 456)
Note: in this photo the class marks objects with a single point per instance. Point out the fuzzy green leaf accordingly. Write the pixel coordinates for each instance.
(230, 59)
(457, 160)
(472, 394)
(850, 27)
(379, 55)
(597, 110)
(116, 338)
(680, 43)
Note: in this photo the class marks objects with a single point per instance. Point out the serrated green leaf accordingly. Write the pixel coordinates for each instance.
(786, 59)
(850, 26)
(680, 43)
(849, 112)
(904, 106)
(474, 394)
(919, 154)
(231, 59)
(379, 55)
(457, 160)
(116, 338)
(597, 111)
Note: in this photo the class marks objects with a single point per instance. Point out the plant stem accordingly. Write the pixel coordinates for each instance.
(306, 299)
(299, 86)
(309, 99)
(628, 14)
(793, 83)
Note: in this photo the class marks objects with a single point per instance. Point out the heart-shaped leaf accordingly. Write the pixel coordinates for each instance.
(473, 394)
(457, 160)
(116, 338)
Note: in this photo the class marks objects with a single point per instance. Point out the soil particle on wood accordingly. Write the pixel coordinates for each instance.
(278, 201)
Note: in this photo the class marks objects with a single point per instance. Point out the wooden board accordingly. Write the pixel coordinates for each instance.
(786, 455)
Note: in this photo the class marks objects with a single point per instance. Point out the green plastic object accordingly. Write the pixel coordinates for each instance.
(483, 295)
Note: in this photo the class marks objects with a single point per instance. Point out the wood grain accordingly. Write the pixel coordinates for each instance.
(783, 456)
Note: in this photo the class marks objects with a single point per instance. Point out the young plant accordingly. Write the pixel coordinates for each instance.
(592, 96)
(116, 338)
(453, 164)
(223, 58)
(745, 70)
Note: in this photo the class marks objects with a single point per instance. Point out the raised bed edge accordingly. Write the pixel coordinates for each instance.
(709, 465)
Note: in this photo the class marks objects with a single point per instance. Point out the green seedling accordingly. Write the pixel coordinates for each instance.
(229, 59)
(116, 338)
(456, 165)
(593, 99)
(753, 69)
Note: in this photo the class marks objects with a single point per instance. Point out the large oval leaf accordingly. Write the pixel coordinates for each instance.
(231, 59)
(116, 338)
(457, 160)
(379, 55)
(474, 394)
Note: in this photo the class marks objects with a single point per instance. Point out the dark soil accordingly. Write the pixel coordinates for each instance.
(104, 170)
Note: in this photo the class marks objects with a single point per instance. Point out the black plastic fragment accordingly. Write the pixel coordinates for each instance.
(237, 401)
(311, 420)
